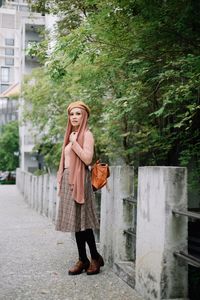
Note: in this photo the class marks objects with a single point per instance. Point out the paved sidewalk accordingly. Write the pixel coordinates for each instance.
(34, 259)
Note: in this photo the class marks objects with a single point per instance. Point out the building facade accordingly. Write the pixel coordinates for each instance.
(18, 27)
(8, 111)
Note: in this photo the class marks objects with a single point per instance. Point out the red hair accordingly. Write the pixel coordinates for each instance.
(76, 166)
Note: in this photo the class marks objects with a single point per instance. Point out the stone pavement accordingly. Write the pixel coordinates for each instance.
(34, 259)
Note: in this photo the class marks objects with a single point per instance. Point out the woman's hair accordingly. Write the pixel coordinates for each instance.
(76, 167)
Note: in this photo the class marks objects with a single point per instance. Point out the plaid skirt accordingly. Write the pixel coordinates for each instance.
(72, 216)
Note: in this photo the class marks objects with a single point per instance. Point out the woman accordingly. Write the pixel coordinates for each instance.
(76, 211)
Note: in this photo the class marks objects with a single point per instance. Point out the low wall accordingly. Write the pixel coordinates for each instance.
(40, 192)
(118, 217)
(159, 275)
(153, 270)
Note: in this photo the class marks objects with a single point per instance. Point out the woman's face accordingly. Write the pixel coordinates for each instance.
(75, 117)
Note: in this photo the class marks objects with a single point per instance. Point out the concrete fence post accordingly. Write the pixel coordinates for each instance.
(52, 197)
(159, 275)
(27, 186)
(34, 192)
(112, 238)
(18, 178)
(40, 193)
(45, 194)
(21, 180)
(55, 198)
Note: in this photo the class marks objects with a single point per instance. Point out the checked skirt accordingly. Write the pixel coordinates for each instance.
(72, 216)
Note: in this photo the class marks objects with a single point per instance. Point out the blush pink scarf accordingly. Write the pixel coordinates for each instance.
(76, 166)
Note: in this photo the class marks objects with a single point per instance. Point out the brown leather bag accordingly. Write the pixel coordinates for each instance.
(100, 173)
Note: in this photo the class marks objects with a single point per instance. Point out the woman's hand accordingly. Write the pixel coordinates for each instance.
(73, 137)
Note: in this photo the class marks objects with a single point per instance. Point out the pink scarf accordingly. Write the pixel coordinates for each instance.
(76, 167)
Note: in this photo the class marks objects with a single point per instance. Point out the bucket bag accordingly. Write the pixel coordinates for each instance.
(100, 174)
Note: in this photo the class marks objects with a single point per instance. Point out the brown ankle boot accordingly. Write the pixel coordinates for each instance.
(79, 267)
(95, 265)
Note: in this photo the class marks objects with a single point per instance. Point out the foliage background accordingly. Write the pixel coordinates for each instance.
(137, 64)
(9, 146)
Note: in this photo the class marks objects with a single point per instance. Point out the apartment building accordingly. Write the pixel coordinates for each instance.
(18, 27)
(8, 111)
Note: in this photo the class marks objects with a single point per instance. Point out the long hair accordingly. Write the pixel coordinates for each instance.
(76, 165)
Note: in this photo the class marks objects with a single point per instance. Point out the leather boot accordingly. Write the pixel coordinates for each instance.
(95, 265)
(79, 267)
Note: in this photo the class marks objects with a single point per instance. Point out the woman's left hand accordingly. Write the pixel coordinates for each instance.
(73, 137)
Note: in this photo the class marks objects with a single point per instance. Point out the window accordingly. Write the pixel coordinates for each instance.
(5, 74)
(13, 117)
(23, 8)
(4, 87)
(9, 42)
(9, 61)
(9, 51)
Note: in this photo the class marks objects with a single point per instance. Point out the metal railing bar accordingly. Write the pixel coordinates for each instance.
(130, 232)
(131, 199)
(190, 259)
(186, 213)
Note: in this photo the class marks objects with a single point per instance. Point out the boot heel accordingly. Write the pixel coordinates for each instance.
(87, 266)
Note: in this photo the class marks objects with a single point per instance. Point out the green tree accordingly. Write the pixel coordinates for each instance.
(136, 63)
(9, 146)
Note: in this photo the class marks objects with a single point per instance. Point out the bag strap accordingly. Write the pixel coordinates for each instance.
(94, 159)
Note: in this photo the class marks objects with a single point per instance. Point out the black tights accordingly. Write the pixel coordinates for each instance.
(83, 237)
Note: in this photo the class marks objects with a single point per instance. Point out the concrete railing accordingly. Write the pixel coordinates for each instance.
(40, 192)
(156, 272)
(117, 217)
(153, 270)
(159, 275)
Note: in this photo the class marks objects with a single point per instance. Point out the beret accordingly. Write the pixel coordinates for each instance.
(79, 104)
